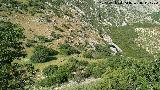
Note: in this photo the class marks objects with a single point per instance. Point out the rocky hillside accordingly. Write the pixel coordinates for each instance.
(86, 44)
(81, 22)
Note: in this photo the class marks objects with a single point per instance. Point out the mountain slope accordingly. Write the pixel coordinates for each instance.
(117, 43)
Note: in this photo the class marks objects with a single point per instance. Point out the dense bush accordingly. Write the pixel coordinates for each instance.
(100, 55)
(75, 64)
(77, 69)
(88, 54)
(126, 73)
(58, 75)
(66, 49)
(96, 69)
(47, 82)
(115, 72)
(13, 76)
(50, 70)
(122, 73)
(43, 54)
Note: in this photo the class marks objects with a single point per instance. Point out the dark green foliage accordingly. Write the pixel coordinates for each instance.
(78, 68)
(51, 69)
(72, 65)
(13, 76)
(122, 73)
(125, 75)
(62, 75)
(38, 4)
(19, 76)
(47, 82)
(13, 5)
(56, 7)
(66, 49)
(88, 54)
(58, 3)
(102, 48)
(58, 75)
(97, 69)
(43, 54)
(10, 43)
(30, 6)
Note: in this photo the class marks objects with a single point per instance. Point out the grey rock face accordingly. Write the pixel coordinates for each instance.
(122, 14)
(115, 48)
(147, 6)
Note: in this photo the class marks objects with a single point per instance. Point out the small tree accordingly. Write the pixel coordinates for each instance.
(12, 76)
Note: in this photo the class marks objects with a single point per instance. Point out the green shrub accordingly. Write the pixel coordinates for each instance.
(102, 51)
(58, 76)
(79, 69)
(47, 82)
(88, 54)
(13, 76)
(66, 49)
(74, 64)
(121, 73)
(99, 55)
(50, 70)
(62, 75)
(96, 69)
(43, 54)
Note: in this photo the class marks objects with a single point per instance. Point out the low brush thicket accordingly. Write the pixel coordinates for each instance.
(67, 49)
(43, 54)
(123, 73)
(72, 70)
